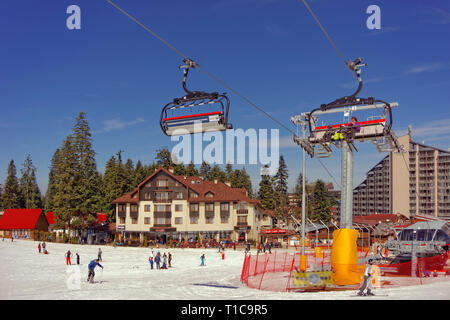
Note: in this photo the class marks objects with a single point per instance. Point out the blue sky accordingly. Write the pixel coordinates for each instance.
(271, 51)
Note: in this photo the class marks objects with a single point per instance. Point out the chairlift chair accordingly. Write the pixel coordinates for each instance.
(194, 103)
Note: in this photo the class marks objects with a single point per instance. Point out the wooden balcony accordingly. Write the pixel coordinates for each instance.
(162, 200)
(242, 211)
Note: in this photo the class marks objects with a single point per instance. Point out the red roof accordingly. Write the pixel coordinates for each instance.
(220, 190)
(102, 217)
(51, 217)
(374, 219)
(20, 219)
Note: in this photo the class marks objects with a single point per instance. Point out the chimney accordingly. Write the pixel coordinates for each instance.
(215, 181)
(171, 170)
(185, 177)
(228, 183)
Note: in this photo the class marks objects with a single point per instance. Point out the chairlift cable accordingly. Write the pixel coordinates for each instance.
(214, 77)
(199, 67)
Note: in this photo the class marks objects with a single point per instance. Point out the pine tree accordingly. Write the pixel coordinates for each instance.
(281, 184)
(28, 185)
(129, 172)
(65, 183)
(87, 184)
(266, 191)
(51, 187)
(205, 168)
(12, 195)
(114, 185)
(321, 203)
(164, 159)
(229, 171)
(216, 173)
(191, 171)
(139, 174)
(1, 193)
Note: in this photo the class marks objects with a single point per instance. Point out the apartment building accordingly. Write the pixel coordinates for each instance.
(166, 206)
(416, 182)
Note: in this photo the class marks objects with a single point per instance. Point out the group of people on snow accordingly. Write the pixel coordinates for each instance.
(165, 259)
(42, 248)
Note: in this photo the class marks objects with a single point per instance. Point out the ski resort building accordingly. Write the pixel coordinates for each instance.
(416, 182)
(165, 206)
(20, 223)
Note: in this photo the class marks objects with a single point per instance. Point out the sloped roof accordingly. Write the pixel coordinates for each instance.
(20, 219)
(51, 217)
(221, 191)
(374, 219)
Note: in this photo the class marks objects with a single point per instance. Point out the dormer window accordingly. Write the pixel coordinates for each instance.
(209, 195)
(193, 194)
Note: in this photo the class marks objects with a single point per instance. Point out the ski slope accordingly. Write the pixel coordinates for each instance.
(27, 275)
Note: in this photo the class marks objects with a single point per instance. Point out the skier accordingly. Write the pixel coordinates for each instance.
(39, 247)
(150, 259)
(164, 266)
(78, 258)
(99, 254)
(367, 280)
(158, 260)
(68, 255)
(170, 260)
(202, 259)
(91, 268)
(44, 246)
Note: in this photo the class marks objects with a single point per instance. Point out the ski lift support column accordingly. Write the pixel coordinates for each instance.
(347, 158)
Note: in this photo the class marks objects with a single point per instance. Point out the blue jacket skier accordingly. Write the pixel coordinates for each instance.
(91, 268)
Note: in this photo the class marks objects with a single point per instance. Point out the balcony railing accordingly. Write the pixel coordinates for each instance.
(242, 211)
(162, 200)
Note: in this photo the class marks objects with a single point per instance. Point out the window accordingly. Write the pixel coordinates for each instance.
(147, 196)
(209, 207)
(224, 219)
(209, 219)
(242, 220)
(134, 208)
(224, 207)
(146, 220)
(122, 207)
(193, 207)
(162, 208)
(179, 195)
(161, 196)
(134, 220)
(210, 195)
(122, 220)
(179, 220)
(193, 194)
(194, 219)
(162, 183)
(178, 207)
(147, 208)
(162, 221)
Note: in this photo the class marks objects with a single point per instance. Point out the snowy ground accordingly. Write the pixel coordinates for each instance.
(26, 274)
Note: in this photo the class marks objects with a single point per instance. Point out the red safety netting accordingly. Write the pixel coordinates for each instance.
(276, 271)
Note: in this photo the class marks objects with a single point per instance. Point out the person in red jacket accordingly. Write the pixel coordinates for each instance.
(68, 255)
(39, 247)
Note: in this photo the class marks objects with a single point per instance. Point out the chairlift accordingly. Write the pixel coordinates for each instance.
(195, 104)
(371, 129)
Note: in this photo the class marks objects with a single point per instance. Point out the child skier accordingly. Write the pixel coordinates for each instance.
(158, 260)
(170, 260)
(367, 280)
(78, 258)
(91, 268)
(99, 254)
(150, 259)
(202, 259)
